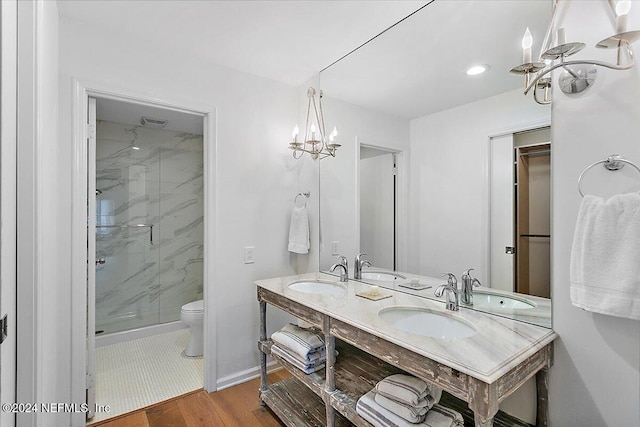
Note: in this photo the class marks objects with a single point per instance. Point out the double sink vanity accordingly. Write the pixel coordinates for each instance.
(476, 357)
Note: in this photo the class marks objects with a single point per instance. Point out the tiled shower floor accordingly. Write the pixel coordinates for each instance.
(134, 374)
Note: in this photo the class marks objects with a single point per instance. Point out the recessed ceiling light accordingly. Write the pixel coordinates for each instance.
(133, 147)
(477, 69)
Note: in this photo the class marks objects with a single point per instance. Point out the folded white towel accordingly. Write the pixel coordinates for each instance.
(605, 267)
(299, 231)
(410, 413)
(438, 416)
(299, 340)
(409, 390)
(307, 368)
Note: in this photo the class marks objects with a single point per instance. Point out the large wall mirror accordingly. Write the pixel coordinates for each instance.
(441, 171)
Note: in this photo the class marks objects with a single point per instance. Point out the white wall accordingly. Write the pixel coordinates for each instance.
(257, 178)
(595, 379)
(449, 158)
(339, 195)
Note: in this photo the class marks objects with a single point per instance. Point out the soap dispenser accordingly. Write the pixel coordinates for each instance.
(468, 283)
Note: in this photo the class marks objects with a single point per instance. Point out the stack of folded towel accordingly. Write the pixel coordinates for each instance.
(303, 348)
(403, 400)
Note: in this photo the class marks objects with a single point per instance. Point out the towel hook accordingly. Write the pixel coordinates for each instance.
(613, 163)
(306, 194)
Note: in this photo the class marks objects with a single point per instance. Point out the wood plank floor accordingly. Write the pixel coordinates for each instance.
(234, 406)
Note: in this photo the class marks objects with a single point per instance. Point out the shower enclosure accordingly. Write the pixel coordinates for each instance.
(149, 225)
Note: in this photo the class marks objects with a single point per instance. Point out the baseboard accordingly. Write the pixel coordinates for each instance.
(244, 376)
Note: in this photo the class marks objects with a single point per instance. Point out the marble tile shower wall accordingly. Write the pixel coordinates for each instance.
(153, 177)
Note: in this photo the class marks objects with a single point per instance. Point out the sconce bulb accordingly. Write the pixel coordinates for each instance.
(313, 128)
(295, 132)
(623, 7)
(331, 137)
(334, 132)
(527, 40)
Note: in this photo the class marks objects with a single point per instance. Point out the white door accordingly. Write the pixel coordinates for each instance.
(8, 138)
(502, 251)
(91, 256)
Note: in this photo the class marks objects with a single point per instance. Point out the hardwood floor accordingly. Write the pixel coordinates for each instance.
(234, 406)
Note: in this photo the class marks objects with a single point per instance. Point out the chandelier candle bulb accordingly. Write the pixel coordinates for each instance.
(294, 134)
(561, 36)
(527, 42)
(622, 11)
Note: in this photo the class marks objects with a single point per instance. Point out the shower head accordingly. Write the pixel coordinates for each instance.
(98, 192)
(153, 123)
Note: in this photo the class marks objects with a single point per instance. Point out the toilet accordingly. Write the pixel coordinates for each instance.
(192, 314)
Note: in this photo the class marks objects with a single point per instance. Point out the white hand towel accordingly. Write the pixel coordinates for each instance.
(438, 416)
(298, 340)
(408, 389)
(605, 258)
(299, 231)
(307, 368)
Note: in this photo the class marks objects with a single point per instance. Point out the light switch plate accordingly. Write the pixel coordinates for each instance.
(334, 248)
(249, 255)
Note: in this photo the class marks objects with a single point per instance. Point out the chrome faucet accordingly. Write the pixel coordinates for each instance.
(451, 288)
(468, 283)
(357, 268)
(343, 264)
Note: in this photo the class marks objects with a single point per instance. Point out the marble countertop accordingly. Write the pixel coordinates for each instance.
(539, 315)
(500, 344)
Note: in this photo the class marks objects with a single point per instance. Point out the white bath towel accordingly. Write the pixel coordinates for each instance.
(408, 389)
(605, 258)
(299, 231)
(307, 368)
(299, 340)
(438, 416)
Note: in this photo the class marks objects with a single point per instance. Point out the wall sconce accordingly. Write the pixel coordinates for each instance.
(315, 137)
(576, 75)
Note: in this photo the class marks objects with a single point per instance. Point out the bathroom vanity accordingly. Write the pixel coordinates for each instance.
(475, 357)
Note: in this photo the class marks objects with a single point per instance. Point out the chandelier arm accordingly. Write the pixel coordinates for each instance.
(320, 125)
(306, 123)
(535, 97)
(543, 73)
(546, 43)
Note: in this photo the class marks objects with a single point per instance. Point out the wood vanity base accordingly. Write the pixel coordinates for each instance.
(336, 391)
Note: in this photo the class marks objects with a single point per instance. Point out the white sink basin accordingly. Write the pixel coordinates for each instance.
(491, 301)
(317, 287)
(428, 323)
(381, 276)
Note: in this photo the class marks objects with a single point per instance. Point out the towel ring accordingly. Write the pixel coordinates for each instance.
(306, 194)
(613, 163)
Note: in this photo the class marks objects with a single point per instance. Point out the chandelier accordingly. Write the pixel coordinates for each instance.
(576, 75)
(315, 140)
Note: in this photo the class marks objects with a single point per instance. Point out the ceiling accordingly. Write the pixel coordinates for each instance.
(287, 41)
(416, 68)
(419, 67)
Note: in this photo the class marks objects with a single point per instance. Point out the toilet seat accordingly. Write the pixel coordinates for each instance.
(194, 307)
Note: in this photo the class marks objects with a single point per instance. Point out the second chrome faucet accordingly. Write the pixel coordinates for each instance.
(452, 291)
(343, 265)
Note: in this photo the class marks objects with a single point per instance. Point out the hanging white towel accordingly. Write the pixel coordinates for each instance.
(605, 258)
(438, 416)
(299, 230)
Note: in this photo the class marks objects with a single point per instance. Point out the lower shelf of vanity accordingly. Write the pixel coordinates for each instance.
(299, 401)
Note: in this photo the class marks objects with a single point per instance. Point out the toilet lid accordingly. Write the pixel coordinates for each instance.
(194, 306)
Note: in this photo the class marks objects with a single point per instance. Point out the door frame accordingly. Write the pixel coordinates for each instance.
(82, 90)
(486, 208)
(402, 200)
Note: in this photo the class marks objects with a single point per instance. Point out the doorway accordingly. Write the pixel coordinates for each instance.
(146, 194)
(131, 199)
(378, 206)
(520, 206)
